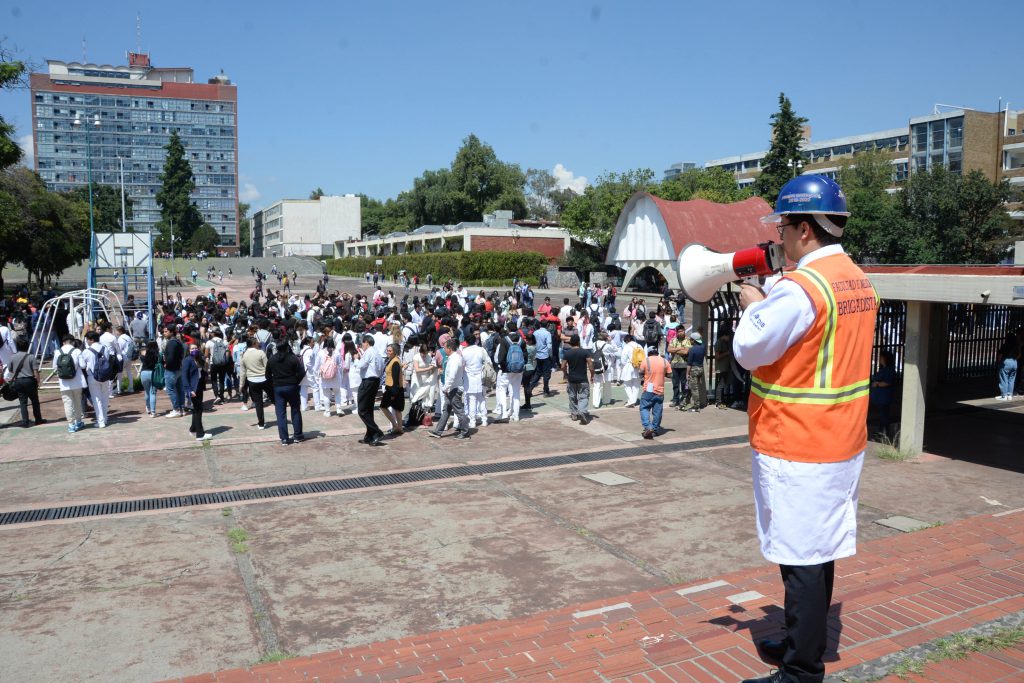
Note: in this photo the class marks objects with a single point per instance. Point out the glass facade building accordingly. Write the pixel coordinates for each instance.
(138, 107)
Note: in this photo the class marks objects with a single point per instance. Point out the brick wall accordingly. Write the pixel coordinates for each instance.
(550, 247)
(981, 143)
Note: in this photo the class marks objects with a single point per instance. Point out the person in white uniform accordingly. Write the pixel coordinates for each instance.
(807, 428)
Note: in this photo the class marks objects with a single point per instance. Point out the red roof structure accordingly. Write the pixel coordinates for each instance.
(721, 227)
(652, 231)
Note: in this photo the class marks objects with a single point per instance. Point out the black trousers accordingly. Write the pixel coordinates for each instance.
(28, 391)
(365, 399)
(197, 414)
(808, 596)
(257, 390)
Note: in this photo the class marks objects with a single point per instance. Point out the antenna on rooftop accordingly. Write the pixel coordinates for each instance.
(138, 32)
(84, 59)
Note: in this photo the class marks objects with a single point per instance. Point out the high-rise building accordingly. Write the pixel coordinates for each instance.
(138, 106)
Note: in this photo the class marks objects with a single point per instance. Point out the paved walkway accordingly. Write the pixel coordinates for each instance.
(896, 593)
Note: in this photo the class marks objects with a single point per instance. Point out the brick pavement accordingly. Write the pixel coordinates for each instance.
(896, 593)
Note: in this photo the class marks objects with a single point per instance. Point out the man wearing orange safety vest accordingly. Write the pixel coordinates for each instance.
(807, 343)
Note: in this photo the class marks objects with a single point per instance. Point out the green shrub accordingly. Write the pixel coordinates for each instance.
(462, 266)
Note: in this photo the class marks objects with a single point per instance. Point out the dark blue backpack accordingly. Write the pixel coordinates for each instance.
(104, 370)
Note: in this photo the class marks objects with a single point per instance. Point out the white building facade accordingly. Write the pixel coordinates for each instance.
(306, 227)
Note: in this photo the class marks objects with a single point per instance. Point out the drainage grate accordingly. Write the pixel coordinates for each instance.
(328, 486)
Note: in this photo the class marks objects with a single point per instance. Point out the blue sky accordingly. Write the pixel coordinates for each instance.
(363, 97)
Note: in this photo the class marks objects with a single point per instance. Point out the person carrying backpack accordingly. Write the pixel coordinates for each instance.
(99, 374)
(67, 364)
(511, 362)
(219, 361)
(651, 331)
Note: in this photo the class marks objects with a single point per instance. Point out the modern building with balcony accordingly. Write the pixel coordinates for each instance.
(306, 227)
(957, 138)
(138, 106)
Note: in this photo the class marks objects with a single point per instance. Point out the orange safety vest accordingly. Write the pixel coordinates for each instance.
(811, 404)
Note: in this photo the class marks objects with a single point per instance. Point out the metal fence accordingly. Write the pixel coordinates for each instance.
(972, 334)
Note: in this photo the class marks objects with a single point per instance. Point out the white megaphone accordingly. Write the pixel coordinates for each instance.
(702, 272)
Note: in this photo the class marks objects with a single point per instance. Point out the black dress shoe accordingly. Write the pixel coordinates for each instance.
(777, 677)
(773, 649)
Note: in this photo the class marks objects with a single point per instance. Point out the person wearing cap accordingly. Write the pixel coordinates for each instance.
(807, 343)
(695, 373)
(655, 371)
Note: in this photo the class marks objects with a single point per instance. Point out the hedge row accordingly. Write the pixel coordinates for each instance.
(462, 266)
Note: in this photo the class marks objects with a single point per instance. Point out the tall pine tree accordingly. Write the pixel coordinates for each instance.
(175, 196)
(780, 164)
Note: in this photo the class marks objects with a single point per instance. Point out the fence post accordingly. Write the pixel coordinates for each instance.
(915, 376)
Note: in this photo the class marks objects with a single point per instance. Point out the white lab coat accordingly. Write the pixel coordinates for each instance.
(806, 512)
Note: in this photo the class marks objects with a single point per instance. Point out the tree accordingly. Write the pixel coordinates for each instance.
(317, 193)
(44, 231)
(713, 184)
(244, 226)
(591, 216)
(204, 239)
(483, 183)
(560, 199)
(540, 186)
(11, 71)
(875, 228)
(951, 218)
(381, 218)
(779, 165)
(10, 232)
(106, 203)
(175, 195)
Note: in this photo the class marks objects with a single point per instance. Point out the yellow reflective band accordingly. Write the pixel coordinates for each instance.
(826, 353)
(812, 395)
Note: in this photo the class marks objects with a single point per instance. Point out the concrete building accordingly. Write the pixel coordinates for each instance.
(959, 139)
(306, 227)
(497, 232)
(138, 106)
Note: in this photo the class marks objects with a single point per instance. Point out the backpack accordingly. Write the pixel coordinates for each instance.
(104, 370)
(652, 332)
(490, 377)
(66, 366)
(515, 359)
(598, 358)
(638, 357)
(328, 368)
(132, 350)
(219, 356)
(157, 378)
(489, 345)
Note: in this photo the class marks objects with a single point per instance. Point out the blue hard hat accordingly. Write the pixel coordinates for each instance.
(813, 194)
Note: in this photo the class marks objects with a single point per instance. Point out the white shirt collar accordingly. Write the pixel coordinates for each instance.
(829, 250)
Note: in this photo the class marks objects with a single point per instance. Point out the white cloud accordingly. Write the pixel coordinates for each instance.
(566, 179)
(249, 193)
(25, 142)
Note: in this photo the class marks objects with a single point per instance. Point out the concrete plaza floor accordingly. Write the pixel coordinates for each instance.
(149, 596)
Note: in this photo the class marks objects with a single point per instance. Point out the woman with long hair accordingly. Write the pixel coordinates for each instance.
(150, 358)
(393, 402)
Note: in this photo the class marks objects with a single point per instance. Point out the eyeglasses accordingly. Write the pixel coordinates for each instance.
(782, 227)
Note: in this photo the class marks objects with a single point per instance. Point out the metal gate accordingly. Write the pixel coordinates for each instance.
(974, 333)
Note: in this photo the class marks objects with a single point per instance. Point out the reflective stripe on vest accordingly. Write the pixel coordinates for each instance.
(823, 393)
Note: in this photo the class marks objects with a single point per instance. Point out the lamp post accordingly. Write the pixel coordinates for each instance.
(91, 276)
(795, 166)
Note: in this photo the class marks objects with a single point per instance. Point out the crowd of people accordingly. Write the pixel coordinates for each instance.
(432, 359)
